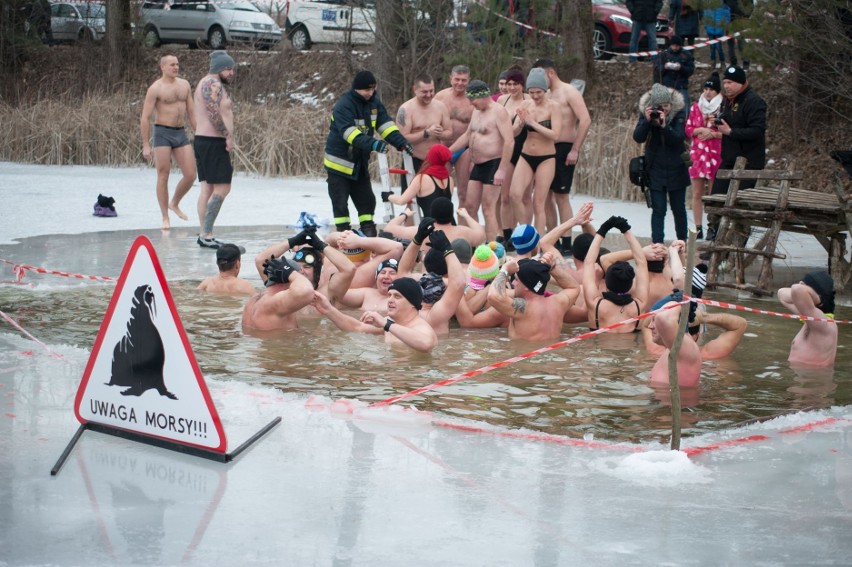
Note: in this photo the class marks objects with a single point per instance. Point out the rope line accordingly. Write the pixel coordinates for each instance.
(19, 270)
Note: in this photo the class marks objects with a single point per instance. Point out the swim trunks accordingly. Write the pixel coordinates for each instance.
(212, 160)
(563, 178)
(169, 136)
(485, 171)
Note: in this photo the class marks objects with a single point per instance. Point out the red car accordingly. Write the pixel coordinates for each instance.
(612, 29)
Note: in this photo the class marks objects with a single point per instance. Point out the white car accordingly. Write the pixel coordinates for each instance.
(77, 21)
(213, 23)
(327, 21)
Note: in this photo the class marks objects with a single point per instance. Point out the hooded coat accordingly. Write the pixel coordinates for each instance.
(664, 147)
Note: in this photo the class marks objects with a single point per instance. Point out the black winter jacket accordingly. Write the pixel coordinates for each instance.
(354, 120)
(676, 79)
(746, 115)
(644, 11)
(664, 147)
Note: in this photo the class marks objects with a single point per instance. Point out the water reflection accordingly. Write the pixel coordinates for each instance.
(596, 386)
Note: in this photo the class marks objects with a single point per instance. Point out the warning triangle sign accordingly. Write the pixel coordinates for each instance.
(142, 375)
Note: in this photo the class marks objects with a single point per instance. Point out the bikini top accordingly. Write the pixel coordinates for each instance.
(545, 123)
(598, 305)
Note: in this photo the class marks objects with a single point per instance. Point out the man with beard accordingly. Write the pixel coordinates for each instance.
(214, 141)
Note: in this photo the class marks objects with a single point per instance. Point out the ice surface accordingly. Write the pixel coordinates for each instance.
(339, 483)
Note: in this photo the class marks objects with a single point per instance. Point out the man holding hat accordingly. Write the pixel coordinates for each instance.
(356, 117)
(402, 325)
(533, 314)
(816, 343)
(214, 141)
(286, 292)
(742, 122)
(228, 281)
(490, 142)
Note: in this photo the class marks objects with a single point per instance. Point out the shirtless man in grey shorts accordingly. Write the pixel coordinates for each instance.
(171, 98)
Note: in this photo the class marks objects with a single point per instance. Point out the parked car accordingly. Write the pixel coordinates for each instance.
(329, 21)
(77, 21)
(612, 29)
(213, 23)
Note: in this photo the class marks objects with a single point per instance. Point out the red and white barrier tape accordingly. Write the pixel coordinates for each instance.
(501, 364)
(20, 268)
(736, 307)
(29, 336)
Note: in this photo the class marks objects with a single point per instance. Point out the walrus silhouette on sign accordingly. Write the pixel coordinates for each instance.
(139, 357)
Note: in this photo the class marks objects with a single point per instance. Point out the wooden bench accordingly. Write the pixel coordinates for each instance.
(783, 208)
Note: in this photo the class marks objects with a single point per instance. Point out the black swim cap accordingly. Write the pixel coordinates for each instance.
(821, 282)
(410, 290)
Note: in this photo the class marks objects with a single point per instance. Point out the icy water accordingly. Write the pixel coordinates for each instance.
(597, 386)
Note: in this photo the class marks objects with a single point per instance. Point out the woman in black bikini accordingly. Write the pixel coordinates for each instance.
(542, 119)
(432, 181)
(616, 303)
(512, 102)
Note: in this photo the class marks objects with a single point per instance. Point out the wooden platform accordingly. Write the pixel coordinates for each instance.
(777, 208)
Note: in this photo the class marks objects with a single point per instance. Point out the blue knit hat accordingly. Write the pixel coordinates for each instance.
(524, 238)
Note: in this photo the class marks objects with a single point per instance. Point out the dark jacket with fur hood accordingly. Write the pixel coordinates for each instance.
(664, 146)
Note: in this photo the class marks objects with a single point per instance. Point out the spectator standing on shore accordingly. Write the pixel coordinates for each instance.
(662, 119)
(674, 66)
(355, 118)
(716, 24)
(706, 149)
(742, 122)
(686, 17)
(643, 13)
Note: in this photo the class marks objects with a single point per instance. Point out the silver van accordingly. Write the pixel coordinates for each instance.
(215, 24)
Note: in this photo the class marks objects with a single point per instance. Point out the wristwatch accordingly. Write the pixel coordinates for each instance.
(388, 324)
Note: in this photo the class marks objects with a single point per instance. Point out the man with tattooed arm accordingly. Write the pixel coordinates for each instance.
(214, 141)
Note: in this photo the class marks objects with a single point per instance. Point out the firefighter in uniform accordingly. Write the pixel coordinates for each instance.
(355, 118)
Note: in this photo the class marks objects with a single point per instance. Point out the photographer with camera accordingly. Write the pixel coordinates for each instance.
(742, 122)
(662, 118)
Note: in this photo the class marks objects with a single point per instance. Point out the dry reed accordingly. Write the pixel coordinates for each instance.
(272, 140)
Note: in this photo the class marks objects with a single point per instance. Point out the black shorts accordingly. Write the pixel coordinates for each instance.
(563, 178)
(212, 160)
(485, 171)
(169, 136)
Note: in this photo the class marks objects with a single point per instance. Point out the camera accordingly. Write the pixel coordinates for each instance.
(655, 111)
(718, 120)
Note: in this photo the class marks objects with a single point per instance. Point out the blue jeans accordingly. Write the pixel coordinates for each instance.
(650, 30)
(716, 48)
(677, 201)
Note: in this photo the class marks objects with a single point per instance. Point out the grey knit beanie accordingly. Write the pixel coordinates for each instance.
(537, 79)
(219, 61)
(659, 95)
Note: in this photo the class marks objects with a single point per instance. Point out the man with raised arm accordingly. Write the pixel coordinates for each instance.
(533, 315)
(287, 291)
(214, 142)
(402, 325)
(816, 343)
(170, 97)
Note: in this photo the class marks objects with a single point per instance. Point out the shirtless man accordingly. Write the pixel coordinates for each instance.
(287, 291)
(455, 98)
(402, 325)
(423, 120)
(214, 141)
(534, 317)
(229, 260)
(327, 268)
(575, 125)
(171, 98)
(490, 141)
(816, 343)
(374, 298)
